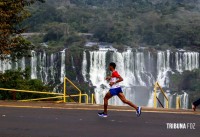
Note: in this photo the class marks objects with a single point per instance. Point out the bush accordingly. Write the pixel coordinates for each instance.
(18, 79)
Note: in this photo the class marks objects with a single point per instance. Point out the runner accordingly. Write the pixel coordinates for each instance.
(195, 104)
(115, 89)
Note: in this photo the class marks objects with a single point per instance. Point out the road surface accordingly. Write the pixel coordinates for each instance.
(52, 122)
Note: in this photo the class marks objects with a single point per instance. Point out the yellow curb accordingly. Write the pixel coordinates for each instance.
(122, 110)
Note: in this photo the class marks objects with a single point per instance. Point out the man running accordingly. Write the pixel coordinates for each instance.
(115, 89)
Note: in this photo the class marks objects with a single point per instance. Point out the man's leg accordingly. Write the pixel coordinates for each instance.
(106, 98)
(124, 100)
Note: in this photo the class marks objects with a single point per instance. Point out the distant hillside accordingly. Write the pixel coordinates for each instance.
(168, 23)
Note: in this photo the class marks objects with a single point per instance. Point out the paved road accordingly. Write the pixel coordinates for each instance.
(38, 122)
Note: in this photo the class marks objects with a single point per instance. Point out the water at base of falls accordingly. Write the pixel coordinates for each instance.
(137, 95)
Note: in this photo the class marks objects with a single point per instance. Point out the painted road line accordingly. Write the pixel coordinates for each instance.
(121, 110)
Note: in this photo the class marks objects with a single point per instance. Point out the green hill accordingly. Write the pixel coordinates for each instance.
(168, 23)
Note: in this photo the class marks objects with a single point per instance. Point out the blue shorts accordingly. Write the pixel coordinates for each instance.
(115, 91)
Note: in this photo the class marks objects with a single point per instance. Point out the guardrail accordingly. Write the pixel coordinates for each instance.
(178, 102)
(156, 87)
(80, 92)
(62, 96)
(93, 99)
(57, 95)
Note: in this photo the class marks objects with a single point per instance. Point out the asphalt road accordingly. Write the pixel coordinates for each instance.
(38, 122)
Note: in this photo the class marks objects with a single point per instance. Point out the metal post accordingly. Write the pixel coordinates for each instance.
(167, 103)
(80, 97)
(155, 95)
(177, 102)
(92, 98)
(64, 95)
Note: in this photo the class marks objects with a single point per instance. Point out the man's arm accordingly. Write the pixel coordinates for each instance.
(120, 79)
(108, 78)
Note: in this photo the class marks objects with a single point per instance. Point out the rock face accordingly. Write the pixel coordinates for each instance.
(140, 69)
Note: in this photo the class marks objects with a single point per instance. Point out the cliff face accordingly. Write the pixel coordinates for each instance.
(140, 69)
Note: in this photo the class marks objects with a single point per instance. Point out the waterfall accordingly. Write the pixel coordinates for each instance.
(51, 68)
(16, 65)
(5, 65)
(74, 68)
(43, 67)
(140, 70)
(33, 65)
(140, 67)
(179, 62)
(84, 67)
(192, 63)
(62, 71)
(22, 63)
(184, 100)
(163, 68)
(151, 99)
(98, 68)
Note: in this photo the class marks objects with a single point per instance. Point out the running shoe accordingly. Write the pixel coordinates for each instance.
(102, 114)
(139, 111)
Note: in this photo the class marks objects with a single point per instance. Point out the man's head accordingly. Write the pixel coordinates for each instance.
(112, 66)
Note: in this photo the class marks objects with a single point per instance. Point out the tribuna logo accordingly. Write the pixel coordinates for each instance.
(180, 125)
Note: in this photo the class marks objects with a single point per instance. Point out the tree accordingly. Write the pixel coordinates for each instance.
(12, 14)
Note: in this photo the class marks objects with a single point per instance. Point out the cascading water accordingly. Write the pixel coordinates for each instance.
(62, 71)
(33, 65)
(140, 69)
(139, 72)
(5, 65)
(163, 68)
(22, 63)
(84, 67)
(184, 100)
(187, 61)
(98, 68)
(51, 68)
(43, 67)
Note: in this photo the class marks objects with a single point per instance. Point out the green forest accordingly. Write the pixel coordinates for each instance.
(155, 23)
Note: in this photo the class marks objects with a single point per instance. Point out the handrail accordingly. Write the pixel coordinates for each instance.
(160, 102)
(65, 90)
(162, 91)
(156, 86)
(93, 99)
(73, 84)
(26, 100)
(87, 98)
(55, 98)
(58, 95)
(28, 91)
(178, 102)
